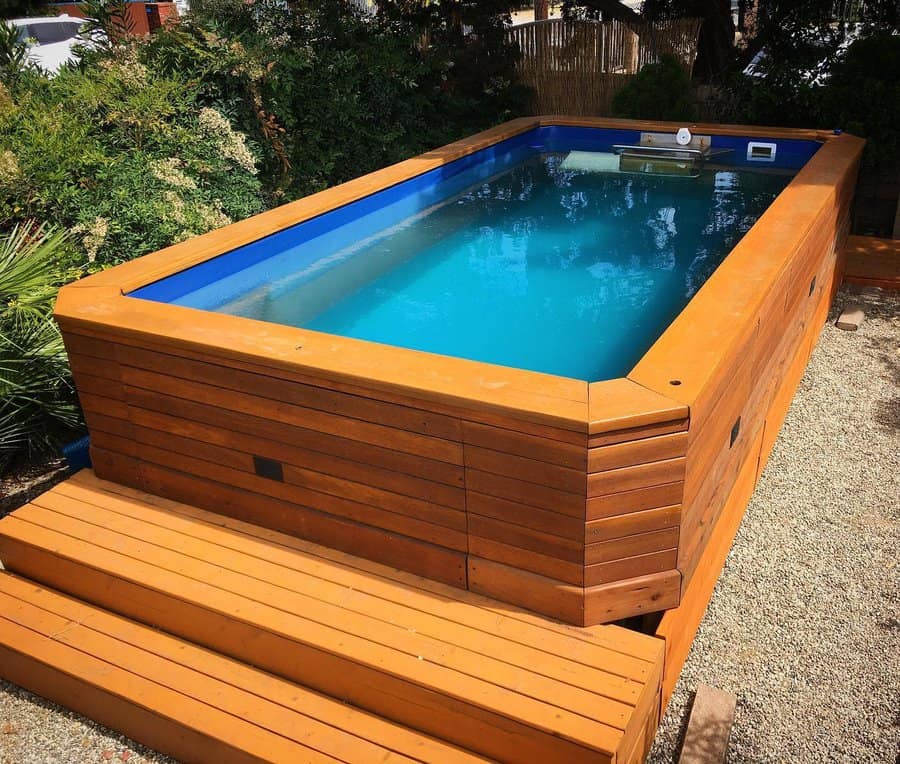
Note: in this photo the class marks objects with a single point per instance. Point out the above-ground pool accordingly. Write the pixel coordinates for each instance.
(544, 363)
(532, 253)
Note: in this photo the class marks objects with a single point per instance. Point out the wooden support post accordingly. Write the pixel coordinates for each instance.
(541, 10)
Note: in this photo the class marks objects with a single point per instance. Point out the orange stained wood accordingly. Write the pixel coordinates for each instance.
(870, 261)
(574, 499)
(460, 667)
(99, 301)
(181, 699)
(700, 343)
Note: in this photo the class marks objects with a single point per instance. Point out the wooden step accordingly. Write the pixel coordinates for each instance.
(181, 699)
(872, 262)
(463, 668)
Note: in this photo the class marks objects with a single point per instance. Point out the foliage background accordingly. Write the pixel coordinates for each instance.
(243, 106)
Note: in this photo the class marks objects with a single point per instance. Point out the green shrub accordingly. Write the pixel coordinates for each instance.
(329, 93)
(37, 399)
(862, 96)
(659, 91)
(127, 159)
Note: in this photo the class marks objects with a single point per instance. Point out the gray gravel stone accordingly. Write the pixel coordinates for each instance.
(804, 623)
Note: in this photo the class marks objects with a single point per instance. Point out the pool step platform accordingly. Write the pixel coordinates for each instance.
(214, 640)
(870, 261)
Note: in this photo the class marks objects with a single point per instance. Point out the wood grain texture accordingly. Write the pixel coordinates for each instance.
(180, 699)
(432, 664)
(870, 261)
(450, 468)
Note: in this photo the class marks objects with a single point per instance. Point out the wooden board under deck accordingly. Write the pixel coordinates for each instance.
(456, 666)
(872, 262)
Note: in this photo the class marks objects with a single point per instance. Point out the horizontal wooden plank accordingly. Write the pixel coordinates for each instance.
(631, 546)
(526, 516)
(637, 433)
(141, 420)
(145, 401)
(637, 452)
(639, 476)
(527, 470)
(634, 596)
(293, 492)
(562, 571)
(630, 567)
(393, 491)
(308, 396)
(541, 448)
(103, 405)
(642, 521)
(526, 589)
(355, 429)
(540, 496)
(526, 538)
(404, 552)
(635, 500)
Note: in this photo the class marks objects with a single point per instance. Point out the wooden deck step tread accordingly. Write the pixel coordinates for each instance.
(462, 668)
(181, 699)
(872, 262)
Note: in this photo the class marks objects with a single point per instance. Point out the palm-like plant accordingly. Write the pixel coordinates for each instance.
(37, 397)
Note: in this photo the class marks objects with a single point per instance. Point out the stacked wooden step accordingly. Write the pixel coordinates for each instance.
(183, 700)
(870, 261)
(450, 664)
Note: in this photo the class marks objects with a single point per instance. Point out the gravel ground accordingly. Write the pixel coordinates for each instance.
(804, 625)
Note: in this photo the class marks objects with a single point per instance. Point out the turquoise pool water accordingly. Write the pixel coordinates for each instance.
(541, 267)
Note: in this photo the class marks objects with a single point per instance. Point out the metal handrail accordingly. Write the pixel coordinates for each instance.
(674, 152)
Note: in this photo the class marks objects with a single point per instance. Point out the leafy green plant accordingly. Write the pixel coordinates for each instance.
(14, 60)
(37, 398)
(658, 91)
(127, 159)
(329, 92)
(862, 96)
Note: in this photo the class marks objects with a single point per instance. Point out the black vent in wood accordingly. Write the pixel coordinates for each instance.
(268, 468)
(735, 431)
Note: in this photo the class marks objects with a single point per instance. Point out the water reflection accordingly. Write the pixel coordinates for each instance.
(545, 268)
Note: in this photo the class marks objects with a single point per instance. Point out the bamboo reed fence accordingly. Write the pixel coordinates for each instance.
(577, 67)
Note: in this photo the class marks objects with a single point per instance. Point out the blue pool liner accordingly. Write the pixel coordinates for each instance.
(216, 281)
(78, 454)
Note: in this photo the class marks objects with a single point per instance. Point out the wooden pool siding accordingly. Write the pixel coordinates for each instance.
(583, 502)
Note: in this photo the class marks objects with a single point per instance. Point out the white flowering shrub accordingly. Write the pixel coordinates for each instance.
(125, 158)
